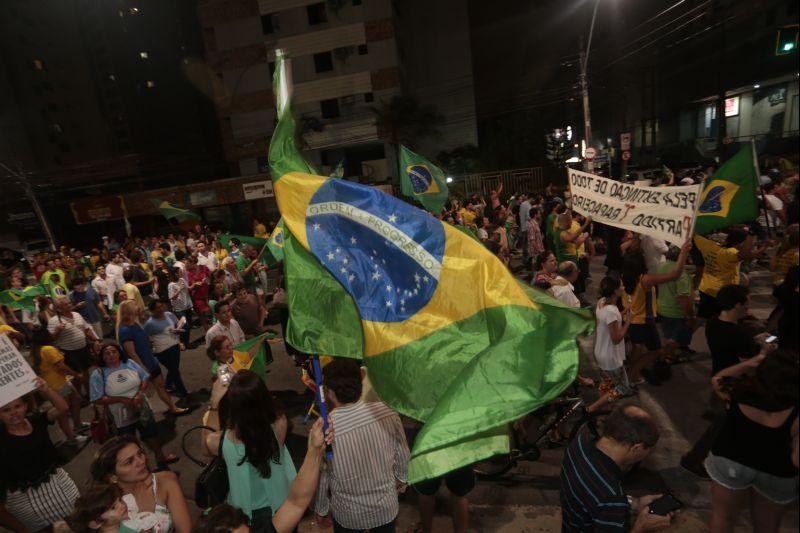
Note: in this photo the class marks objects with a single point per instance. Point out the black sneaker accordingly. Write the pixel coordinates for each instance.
(697, 470)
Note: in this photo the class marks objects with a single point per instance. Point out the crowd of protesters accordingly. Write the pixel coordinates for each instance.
(115, 321)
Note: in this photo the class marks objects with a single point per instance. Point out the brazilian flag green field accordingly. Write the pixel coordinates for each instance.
(449, 336)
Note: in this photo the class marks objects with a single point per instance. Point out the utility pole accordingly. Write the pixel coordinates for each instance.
(37, 207)
(587, 117)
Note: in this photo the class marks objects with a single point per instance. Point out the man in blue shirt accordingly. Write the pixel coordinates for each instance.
(88, 304)
(592, 498)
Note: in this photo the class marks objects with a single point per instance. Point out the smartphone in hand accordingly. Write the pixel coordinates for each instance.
(666, 504)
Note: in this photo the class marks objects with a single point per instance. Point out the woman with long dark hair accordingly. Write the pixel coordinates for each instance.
(754, 454)
(640, 299)
(260, 469)
(48, 362)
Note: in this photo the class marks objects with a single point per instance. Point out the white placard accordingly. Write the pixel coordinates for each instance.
(16, 375)
(663, 212)
(257, 189)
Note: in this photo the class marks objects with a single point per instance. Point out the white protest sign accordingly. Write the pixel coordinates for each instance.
(16, 375)
(663, 212)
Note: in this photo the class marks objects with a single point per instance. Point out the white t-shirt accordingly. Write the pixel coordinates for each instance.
(653, 250)
(209, 261)
(234, 332)
(179, 295)
(74, 335)
(609, 356)
(566, 294)
(114, 279)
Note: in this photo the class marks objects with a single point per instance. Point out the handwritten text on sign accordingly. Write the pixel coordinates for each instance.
(16, 375)
(662, 212)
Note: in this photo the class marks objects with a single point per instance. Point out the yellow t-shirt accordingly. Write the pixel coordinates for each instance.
(637, 303)
(221, 254)
(155, 254)
(467, 216)
(722, 265)
(54, 377)
(581, 249)
(260, 231)
(5, 328)
(782, 263)
(133, 294)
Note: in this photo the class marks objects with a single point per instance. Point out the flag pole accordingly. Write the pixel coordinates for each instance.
(323, 407)
(760, 187)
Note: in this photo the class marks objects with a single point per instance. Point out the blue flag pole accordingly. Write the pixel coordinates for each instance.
(323, 407)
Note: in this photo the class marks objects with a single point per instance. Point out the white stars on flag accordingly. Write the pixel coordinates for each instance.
(388, 288)
(392, 218)
(317, 226)
(331, 255)
(376, 276)
(353, 240)
(417, 278)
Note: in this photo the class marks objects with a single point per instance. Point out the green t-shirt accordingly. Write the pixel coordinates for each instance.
(550, 223)
(242, 263)
(668, 304)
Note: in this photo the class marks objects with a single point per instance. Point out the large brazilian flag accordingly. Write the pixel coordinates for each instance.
(23, 298)
(449, 336)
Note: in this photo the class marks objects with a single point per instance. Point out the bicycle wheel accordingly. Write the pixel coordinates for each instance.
(494, 466)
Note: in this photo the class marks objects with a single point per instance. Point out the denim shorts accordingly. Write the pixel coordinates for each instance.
(676, 329)
(736, 476)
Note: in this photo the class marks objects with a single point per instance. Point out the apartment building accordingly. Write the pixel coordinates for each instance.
(347, 58)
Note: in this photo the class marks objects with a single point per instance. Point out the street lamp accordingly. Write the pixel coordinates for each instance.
(584, 59)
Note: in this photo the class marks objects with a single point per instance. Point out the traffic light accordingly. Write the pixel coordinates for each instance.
(786, 42)
(551, 147)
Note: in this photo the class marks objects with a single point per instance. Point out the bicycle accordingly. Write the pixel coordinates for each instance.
(529, 433)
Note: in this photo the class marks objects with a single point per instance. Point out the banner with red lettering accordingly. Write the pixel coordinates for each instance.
(663, 212)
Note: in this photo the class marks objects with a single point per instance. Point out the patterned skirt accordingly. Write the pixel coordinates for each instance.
(45, 504)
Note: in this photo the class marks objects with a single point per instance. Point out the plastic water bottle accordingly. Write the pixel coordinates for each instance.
(224, 373)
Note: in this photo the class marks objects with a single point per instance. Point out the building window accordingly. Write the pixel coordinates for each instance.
(144, 55)
(363, 50)
(323, 62)
(269, 23)
(150, 84)
(37, 64)
(369, 97)
(316, 14)
(330, 108)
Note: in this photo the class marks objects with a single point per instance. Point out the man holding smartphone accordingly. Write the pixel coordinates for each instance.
(592, 497)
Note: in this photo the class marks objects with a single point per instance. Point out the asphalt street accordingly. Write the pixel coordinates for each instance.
(525, 499)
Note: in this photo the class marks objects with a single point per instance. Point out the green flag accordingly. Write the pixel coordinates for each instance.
(22, 298)
(370, 277)
(338, 172)
(256, 242)
(730, 195)
(252, 350)
(422, 180)
(260, 360)
(171, 211)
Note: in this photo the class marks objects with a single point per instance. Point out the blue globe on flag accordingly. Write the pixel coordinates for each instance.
(383, 253)
(421, 179)
(713, 201)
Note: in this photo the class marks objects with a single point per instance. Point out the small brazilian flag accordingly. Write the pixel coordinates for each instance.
(253, 355)
(258, 243)
(729, 196)
(22, 298)
(422, 180)
(171, 211)
(276, 241)
(449, 336)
